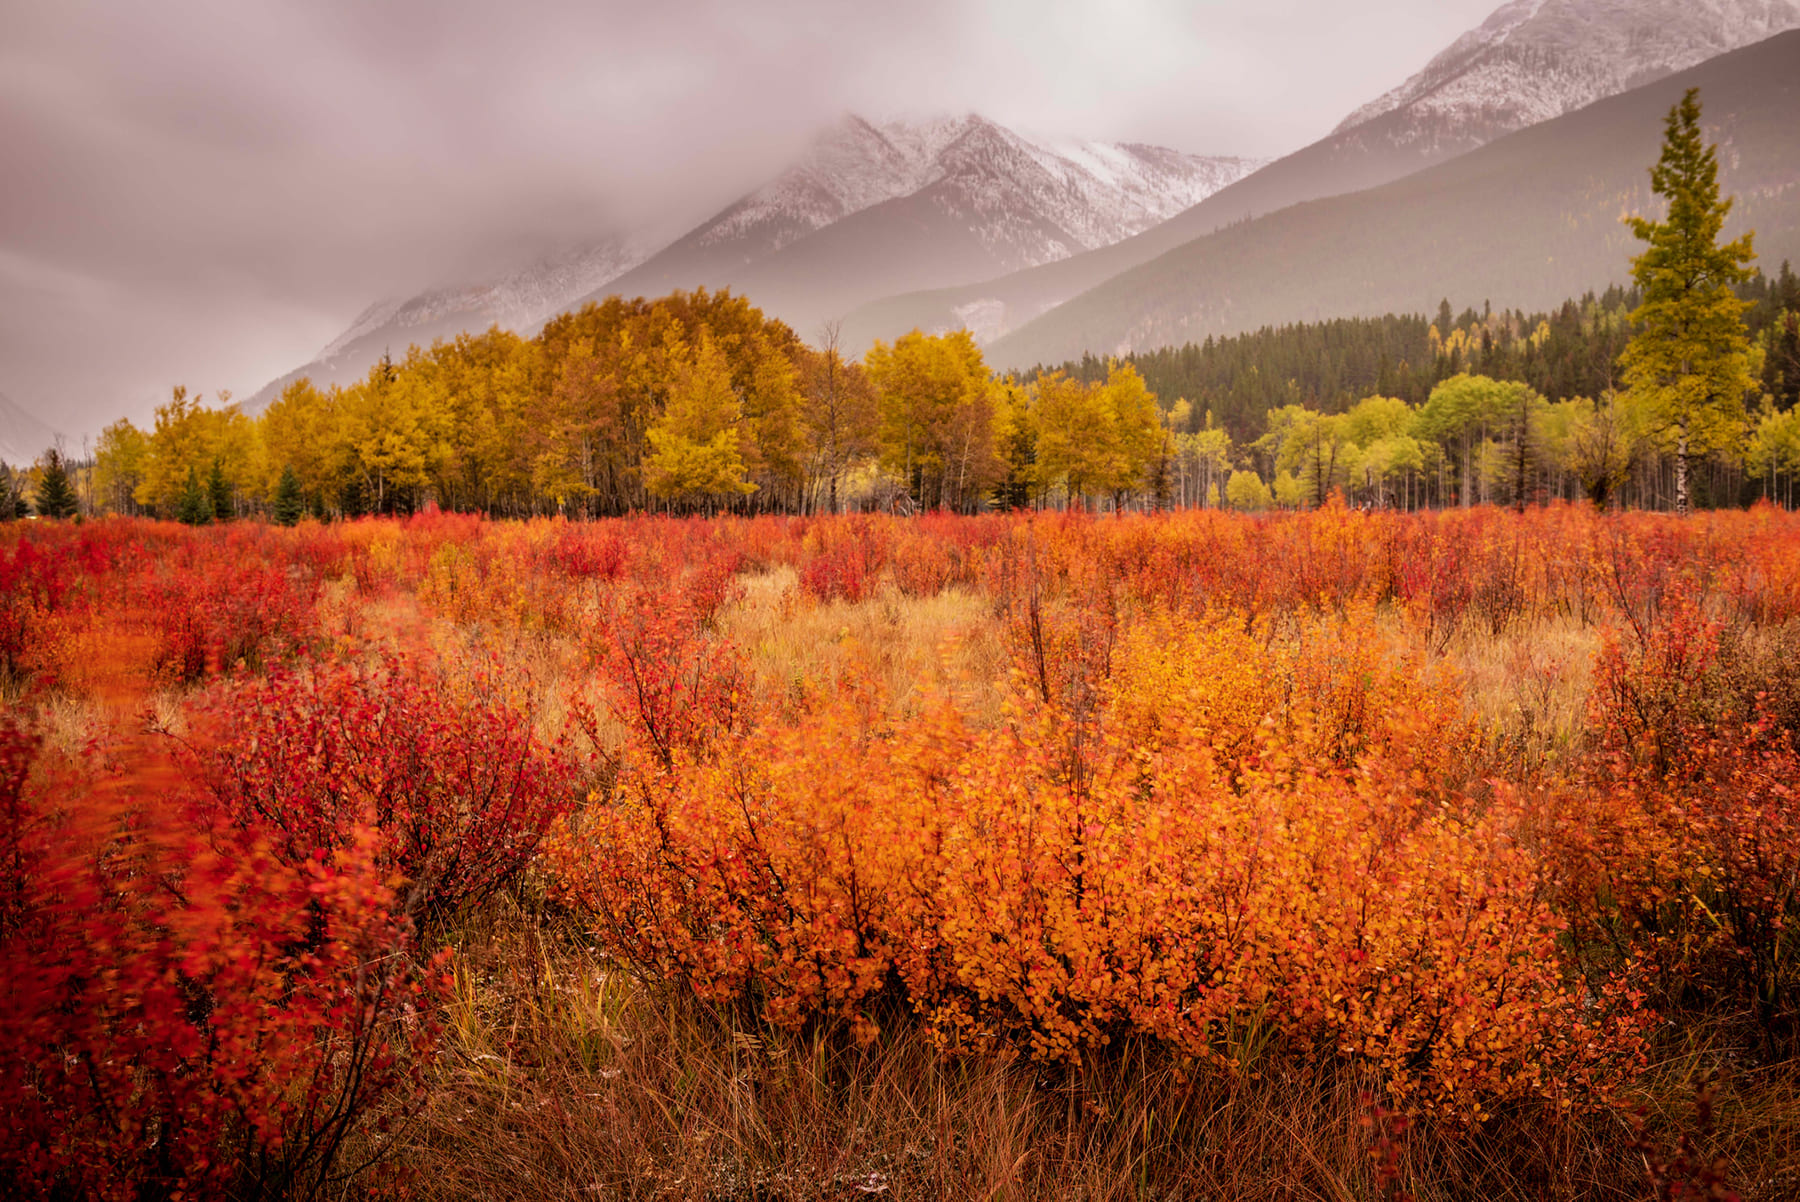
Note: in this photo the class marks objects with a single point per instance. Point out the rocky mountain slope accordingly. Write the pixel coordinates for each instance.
(1525, 222)
(22, 437)
(873, 208)
(519, 301)
(1537, 59)
(901, 205)
(1530, 61)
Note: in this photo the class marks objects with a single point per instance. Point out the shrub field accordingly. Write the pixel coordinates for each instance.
(1330, 855)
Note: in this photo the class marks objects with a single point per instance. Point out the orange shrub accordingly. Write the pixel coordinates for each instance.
(1053, 886)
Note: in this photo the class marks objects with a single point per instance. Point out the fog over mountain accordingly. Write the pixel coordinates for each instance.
(869, 209)
(208, 193)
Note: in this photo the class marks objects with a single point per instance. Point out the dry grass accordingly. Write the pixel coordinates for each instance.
(1529, 690)
(913, 646)
(563, 1079)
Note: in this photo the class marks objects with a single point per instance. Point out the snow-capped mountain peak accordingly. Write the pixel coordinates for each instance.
(1533, 60)
(998, 200)
(857, 164)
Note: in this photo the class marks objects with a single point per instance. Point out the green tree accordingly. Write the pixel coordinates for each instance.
(55, 493)
(1319, 451)
(1688, 366)
(1246, 491)
(1774, 449)
(1460, 414)
(288, 504)
(1602, 445)
(218, 493)
(192, 507)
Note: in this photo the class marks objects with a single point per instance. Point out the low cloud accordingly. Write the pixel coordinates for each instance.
(206, 191)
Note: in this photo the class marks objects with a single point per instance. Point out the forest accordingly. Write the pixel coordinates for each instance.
(698, 403)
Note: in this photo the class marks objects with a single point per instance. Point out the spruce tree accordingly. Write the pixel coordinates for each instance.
(218, 494)
(1688, 365)
(353, 496)
(55, 495)
(288, 504)
(192, 508)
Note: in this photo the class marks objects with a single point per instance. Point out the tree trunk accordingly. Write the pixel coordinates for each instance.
(1681, 472)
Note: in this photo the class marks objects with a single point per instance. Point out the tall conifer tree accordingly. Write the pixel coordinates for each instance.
(1689, 363)
(55, 495)
(218, 493)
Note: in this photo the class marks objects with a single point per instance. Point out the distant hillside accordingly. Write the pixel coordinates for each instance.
(1523, 222)
(1532, 60)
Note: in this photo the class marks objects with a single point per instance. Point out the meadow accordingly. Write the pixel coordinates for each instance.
(1197, 855)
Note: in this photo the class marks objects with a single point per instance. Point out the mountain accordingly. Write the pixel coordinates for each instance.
(873, 209)
(868, 210)
(521, 300)
(1525, 221)
(1537, 59)
(1532, 60)
(22, 437)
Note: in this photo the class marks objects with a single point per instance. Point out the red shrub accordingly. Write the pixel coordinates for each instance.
(674, 684)
(461, 790)
(181, 1011)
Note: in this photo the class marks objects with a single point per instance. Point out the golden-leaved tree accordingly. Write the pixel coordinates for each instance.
(187, 439)
(695, 459)
(937, 415)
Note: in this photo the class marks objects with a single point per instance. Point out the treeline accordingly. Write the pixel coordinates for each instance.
(1331, 365)
(690, 403)
(698, 403)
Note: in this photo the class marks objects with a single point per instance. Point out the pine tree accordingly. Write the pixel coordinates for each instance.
(353, 496)
(192, 508)
(288, 504)
(218, 493)
(1688, 366)
(55, 495)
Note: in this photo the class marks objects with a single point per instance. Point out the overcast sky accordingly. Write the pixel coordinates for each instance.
(205, 192)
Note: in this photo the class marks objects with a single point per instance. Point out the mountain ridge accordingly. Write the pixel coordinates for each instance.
(1086, 193)
(23, 437)
(1405, 131)
(1057, 197)
(1523, 222)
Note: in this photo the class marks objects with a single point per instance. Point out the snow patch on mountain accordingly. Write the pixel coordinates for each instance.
(1091, 193)
(517, 301)
(1533, 60)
